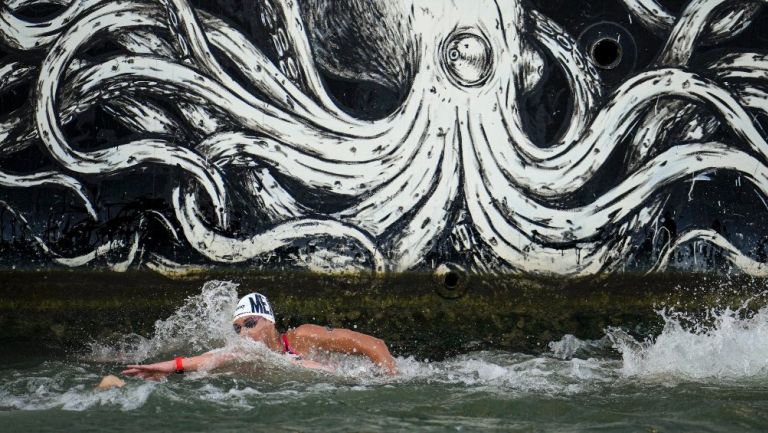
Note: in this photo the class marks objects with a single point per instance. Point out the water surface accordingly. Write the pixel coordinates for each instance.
(696, 376)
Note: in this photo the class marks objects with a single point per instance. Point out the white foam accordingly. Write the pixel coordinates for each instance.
(506, 372)
(727, 344)
(202, 323)
(44, 393)
(233, 397)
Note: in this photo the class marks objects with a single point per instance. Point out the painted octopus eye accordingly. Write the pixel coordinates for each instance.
(468, 60)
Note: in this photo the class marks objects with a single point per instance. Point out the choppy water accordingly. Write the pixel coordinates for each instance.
(697, 375)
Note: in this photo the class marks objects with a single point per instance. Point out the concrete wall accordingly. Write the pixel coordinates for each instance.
(551, 136)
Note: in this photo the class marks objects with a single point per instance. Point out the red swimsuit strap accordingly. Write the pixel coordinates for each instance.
(286, 345)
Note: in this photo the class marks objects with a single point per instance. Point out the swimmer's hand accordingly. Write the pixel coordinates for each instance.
(154, 371)
(389, 367)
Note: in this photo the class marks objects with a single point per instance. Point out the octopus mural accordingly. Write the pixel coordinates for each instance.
(257, 158)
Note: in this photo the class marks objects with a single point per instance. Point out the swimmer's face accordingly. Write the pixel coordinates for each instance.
(254, 327)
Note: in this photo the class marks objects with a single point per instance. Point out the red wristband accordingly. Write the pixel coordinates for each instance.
(179, 364)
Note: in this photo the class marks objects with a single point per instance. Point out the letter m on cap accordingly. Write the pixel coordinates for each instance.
(258, 306)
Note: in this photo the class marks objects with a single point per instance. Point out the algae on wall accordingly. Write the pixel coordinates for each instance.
(415, 313)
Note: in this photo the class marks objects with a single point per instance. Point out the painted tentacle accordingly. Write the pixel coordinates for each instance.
(675, 121)
(134, 112)
(417, 237)
(17, 131)
(387, 204)
(274, 203)
(732, 254)
(147, 42)
(193, 38)
(12, 125)
(583, 80)
(746, 74)
(26, 35)
(564, 226)
(377, 132)
(49, 178)
(688, 30)
(289, 38)
(547, 225)
(677, 52)
(137, 41)
(179, 81)
(193, 42)
(550, 162)
(741, 66)
(111, 160)
(261, 73)
(520, 237)
(253, 64)
(143, 116)
(17, 4)
(313, 172)
(678, 114)
(385, 157)
(134, 246)
(12, 74)
(750, 97)
(283, 89)
(225, 249)
(568, 173)
(730, 24)
(509, 242)
(15, 73)
(390, 199)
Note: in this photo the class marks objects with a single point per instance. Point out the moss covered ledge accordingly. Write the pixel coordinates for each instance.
(426, 315)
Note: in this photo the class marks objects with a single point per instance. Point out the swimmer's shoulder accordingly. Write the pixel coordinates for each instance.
(308, 330)
(312, 335)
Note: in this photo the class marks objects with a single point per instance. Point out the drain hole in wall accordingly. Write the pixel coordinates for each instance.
(606, 53)
(611, 49)
(450, 280)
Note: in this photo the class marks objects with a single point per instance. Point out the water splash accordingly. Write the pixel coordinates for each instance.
(511, 372)
(202, 323)
(725, 344)
(68, 387)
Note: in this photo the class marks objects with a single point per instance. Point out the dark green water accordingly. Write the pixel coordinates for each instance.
(481, 391)
(691, 378)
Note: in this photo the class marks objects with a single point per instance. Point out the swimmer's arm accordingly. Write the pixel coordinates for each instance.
(206, 361)
(345, 341)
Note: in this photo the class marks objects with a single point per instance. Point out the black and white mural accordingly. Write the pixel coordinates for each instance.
(558, 137)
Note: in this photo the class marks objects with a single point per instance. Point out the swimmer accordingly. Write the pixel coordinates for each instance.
(253, 318)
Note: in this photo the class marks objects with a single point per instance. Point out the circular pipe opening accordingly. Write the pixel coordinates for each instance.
(606, 53)
(451, 280)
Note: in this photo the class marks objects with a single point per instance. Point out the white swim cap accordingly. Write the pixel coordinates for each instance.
(254, 304)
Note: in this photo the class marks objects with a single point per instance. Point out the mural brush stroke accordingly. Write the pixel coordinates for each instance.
(265, 158)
